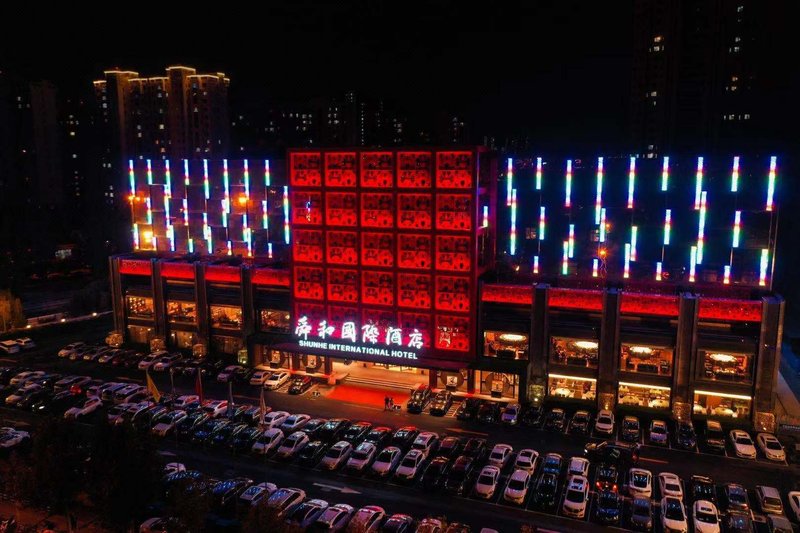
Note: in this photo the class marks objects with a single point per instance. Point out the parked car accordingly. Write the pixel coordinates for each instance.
(306, 513)
(576, 497)
(362, 457)
(609, 507)
(300, 384)
(243, 440)
(282, 500)
(259, 376)
(475, 448)
(70, 348)
(10, 347)
(441, 403)
(670, 485)
(356, 432)
(404, 437)
(186, 400)
(489, 412)
(386, 461)
(779, 524)
(185, 428)
(468, 409)
(151, 359)
(332, 430)
(545, 496)
(705, 517)
(89, 406)
(25, 377)
(641, 515)
(334, 518)
(604, 423)
(311, 453)
(419, 399)
(205, 431)
(435, 474)
(771, 447)
(640, 483)
(313, 427)
(226, 493)
(291, 445)
(673, 515)
(380, 436)
(215, 408)
(255, 494)
(631, 430)
(268, 442)
(293, 423)
(526, 460)
(769, 500)
(742, 444)
(69, 382)
(659, 433)
(555, 420)
(486, 484)
(703, 488)
(794, 503)
(714, 437)
(367, 519)
(500, 455)
(166, 362)
(510, 415)
(580, 423)
(736, 498)
(276, 380)
(449, 447)
(460, 475)
(685, 436)
(426, 442)
(606, 477)
(517, 487)
(532, 416)
(410, 466)
(233, 373)
(336, 455)
(398, 523)
(578, 466)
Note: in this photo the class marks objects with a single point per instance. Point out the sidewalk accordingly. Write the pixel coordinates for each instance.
(28, 517)
(788, 390)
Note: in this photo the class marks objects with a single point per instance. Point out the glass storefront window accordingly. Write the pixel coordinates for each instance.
(578, 352)
(139, 334)
(725, 366)
(226, 345)
(183, 339)
(721, 404)
(498, 384)
(505, 345)
(646, 359)
(274, 320)
(139, 307)
(640, 395)
(226, 317)
(181, 312)
(574, 387)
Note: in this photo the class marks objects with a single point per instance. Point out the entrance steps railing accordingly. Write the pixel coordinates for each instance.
(378, 383)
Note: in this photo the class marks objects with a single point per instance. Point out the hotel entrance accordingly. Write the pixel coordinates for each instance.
(379, 374)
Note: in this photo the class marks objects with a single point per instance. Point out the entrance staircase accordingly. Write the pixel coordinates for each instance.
(377, 383)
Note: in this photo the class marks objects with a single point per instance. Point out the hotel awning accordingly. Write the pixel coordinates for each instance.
(422, 360)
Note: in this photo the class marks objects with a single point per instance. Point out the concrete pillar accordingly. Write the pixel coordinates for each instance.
(768, 362)
(117, 297)
(249, 318)
(685, 356)
(539, 344)
(157, 286)
(201, 301)
(608, 352)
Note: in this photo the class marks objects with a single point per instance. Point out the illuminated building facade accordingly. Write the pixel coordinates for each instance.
(387, 258)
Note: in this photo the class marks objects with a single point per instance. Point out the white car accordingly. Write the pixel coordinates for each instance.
(576, 497)
(670, 485)
(640, 483)
(151, 359)
(361, 457)
(89, 406)
(517, 486)
(430, 525)
(181, 402)
(24, 377)
(336, 455)
(510, 414)
(659, 432)
(10, 437)
(771, 447)
(165, 423)
(386, 461)
(578, 466)
(275, 419)
(215, 408)
(125, 394)
(255, 494)
(284, 499)
(10, 346)
(705, 517)
(742, 444)
(604, 423)
(260, 376)
(334, 518)
(526, 460)
(367, 519)
(487, 482)
(500, 455)
(166, 362)
(276, 379)
(294, 422)
(291, 445)
(26, 343)
(410, 465)
(23, 391)
(71, 381)
(425, 442)
(69, 349)
(173, 468)
(673, 515)
(269, 440)
(794, 503)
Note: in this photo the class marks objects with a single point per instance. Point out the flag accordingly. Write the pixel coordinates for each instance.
(230, 399)
(198, 385)
(152, 389)
(262, 410)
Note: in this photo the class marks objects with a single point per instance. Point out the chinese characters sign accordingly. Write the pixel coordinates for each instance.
(369, 339)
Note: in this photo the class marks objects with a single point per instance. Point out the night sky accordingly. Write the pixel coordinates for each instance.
(560, 67)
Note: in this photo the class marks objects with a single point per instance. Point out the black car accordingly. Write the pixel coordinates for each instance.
(641, 515)
(617, 453)
(143, 420)
(435, 473)
(489, 412)
(356, 432)
(49, 380)
(380, 436)
(459, 478)
(8, 372)
(555, 420)
(300, 384)
(29, 400)
(609, 507)
(312, 453)
(475, 448)
(449, 447)
(607, 476)
(225, 435)
(331, 431)
(631, 430)
(210, 369)
(58, 403)
(580, 423)
(185, 428)
(532, 416)
(703, 488)
(225, 493)
(205, 431)
(441, 403)
(738, 522)
(181, 482)
(419, 399)
(553, 463)
(313, 427)
(404, 437)
(714, 437)
(468, 409)
(685, 436)
(251, 415)
(545, 496)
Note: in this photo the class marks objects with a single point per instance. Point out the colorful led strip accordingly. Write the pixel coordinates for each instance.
(485, 216)
(667, 226)
(692, 263)
(246, 180)
(762, 276)
(571, 240)
(658, 271)
(149, 210)
(626, 272)
(535, 264)
(191, 246)
(509, 180)
(135, 236)
(538, 173)
(269, 250)
(726, 275)
(701, 228)
(634, 239)
(230, 248)
(205, 178)
(513, 238)
(542, 223)
(167, 179)
(565, 259)
(735, 175)
(267, 175)
(698, 183)
(568, 185)
(665, 174)
(737, 227)
(773, 162)
(598, 200)
(149, 173)
(631, 181)
(131, 179)
(594, 267)
(286, 214)
(264, 215)
(602, 235)
(186, 172)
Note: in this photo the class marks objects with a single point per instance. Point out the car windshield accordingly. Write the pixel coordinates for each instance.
(516, 484)
(773, 502)
(511, 410)
(674, 510)
(708, 518)
(640, 480)
(486, 479)
(608, 499)
(745, 441)
(714, 433)
(773, 445)
(360, 455)
(687, 431)
(575, 496)
(386, 456)
(497, 454)
(641, 510)
(581, 417)
(409, 462)
(604, 419)
(658, 429)
(333, 453)
(672, 487)
(734, 496)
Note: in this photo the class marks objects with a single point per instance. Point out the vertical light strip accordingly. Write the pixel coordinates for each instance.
(186, 181)
(698, 183)
(207, 234)
(602, 236)
(149, 210)
(565, 259)
(205, 179)
(658, 271)
(762, 276)
(701, 228)
(135, 236)
(131, 179)
(149, 173)
(626, 272)
(485, 223)
(246, 180)
(773, 161)
(542, 223)
(535, 264)
(692, 263)
(735, 175)
(726, 275)
(631, 181)
(269, 250)
(167, 178)
(513, 238)
(167, 198)
(667, 226)
(191, 245)
(538, 173)
(737, 226)
(267, 174)
(594, 267)
(186, 212)
(230, 248)
(571, 240)
(509, 180)
(665, 174)
(286, 228)
(598, 200)
(264, 217)
(634, 239)
(568, 185)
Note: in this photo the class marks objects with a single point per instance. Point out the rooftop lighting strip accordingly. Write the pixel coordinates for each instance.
(131, 178)
(726, 276)
(594, 267)
(264, 215)
(701, 228)
(723, 395)
(186, 172)
(602, 236)
(634, 239)
(698, 183)
(737, 227)
(485, 222)
(226, 185)
(735, 175)
(575, 378)
(571, 240)
(535, 264)
(205, 179)
(513, 239)
(167, 179)
(773, 163)
(658, 271)
(631, 181)
(230, 248)
(149, 210)
(667, 226)
(135, 236)
(509, 180)
(186, 212)
(267, 175)
(762, 275)
(149, 172)
(542, 222)
(538, 173)
(191, 246)
(692, 263)
(665, 174)
(565, 259)
(286, 229)
(269, 250)
(626, 272)
(642, 386)
(568, 185)
(598, 201)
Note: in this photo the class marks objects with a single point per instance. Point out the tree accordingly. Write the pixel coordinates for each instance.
(190, 507)
(262, 518)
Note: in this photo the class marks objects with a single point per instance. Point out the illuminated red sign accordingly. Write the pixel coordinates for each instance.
(584, 300)
(135, 267)
(729, 310)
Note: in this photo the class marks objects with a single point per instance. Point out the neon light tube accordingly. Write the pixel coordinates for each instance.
(771, 183)
(154, 242)
(762, 276)
(735, 175)
(538, 173)
(509, 180)
(568, 186)
(594, 267)
(701, 228)
(571, 240)
(230, 249)
(149, 211)
(171, 237)
(264, 216)
(602, 236)
(667, 226)
(698, 183)
(269, 250)
(513, 238)
(692, 263)
(267, 176)
(485, 216)
(631, 181)
(225, 183)
(598, 201)
(168, 179)
(186, 212)
(542, 222)
(634, 238)
(665, 174)
(565, 259)
(186, 172)
(246, 181)
(191, 246)
(658, 271)
(626, 272)
(131, 178)
(136, 236)
(535, 264)
(207, 233)
(205, 178)
(726, 276)
(149, 173)
(737, 225)
(286, 229)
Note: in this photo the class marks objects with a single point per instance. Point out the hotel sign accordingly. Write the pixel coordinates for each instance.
(369, 339)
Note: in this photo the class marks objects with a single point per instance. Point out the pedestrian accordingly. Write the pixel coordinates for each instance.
(385, 403)
(391, 403)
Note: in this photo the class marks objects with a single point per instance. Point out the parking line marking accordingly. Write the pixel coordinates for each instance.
(459, 430)
(651, 460)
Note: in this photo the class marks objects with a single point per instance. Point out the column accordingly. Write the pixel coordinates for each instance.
(539, 345)
(157, 286)
(608, 353)
(201, 301)
(768, 362)
(685, 356)
(117, 297)
(248, 312)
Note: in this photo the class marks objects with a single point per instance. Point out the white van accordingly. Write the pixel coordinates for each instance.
(9, 347)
